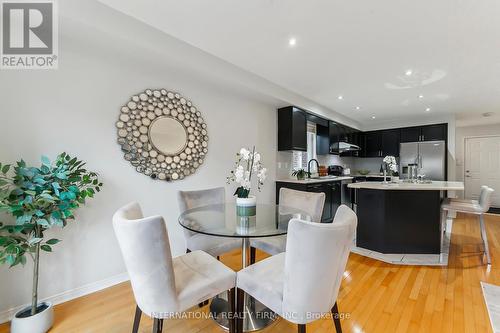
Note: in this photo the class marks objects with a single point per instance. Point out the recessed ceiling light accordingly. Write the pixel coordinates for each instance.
(357, 108)
(427, 109)
(373, 117)
(340, 97)
(420, 96)
(408, 72)
(292, 41)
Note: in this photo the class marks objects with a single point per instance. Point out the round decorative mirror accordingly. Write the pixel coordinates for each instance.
(162, 134)
(168, 135)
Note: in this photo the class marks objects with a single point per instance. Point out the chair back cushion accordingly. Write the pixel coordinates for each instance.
(194, 199)
(146, 251)
(485, 198)
(316, 256)
(310, 202)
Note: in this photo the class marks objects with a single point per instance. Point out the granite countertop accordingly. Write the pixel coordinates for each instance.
(434, 186)
(314, 180)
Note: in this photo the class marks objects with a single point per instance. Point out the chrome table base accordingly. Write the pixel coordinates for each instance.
(256, 316)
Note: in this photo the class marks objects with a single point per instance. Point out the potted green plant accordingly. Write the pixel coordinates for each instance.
(301, 174)
(39, 198)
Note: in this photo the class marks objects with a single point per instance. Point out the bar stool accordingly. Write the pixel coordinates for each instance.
(478, 207)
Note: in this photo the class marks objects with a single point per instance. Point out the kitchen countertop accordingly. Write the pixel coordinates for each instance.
(368, 175)
(314, 180)
(434, 186)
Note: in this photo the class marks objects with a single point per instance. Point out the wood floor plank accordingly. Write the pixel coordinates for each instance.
(374, 296)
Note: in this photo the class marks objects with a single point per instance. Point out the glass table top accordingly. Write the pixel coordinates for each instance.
(223, 220)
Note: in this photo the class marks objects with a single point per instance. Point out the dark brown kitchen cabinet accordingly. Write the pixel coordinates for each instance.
(373, 144)
(381, 143)
(390, 142)
(322, 140)
(410, 134)
(334, 131)
(292, 129)
(327, 189)
(436, 132)
(332, 190)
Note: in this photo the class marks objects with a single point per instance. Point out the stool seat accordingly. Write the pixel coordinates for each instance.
(465, 206)
(476, 207)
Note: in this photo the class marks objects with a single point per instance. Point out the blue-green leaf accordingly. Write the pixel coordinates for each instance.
(61, 175)
(43, 222)
(10, 259)
(45, 160)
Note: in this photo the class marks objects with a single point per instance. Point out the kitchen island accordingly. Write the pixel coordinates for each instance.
(401, 218)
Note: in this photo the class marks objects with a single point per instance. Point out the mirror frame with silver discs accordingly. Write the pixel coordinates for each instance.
(166, 153)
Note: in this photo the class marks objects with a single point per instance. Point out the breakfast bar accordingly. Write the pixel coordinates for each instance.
(401, 218)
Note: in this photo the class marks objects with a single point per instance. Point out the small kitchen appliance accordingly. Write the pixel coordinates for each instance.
(335, 170)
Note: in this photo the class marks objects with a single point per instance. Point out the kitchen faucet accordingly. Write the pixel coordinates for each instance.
(309, 166)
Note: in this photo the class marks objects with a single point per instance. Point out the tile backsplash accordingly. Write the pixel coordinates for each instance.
(284, 163)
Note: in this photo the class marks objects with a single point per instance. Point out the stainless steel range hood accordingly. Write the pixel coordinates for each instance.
(342, 147)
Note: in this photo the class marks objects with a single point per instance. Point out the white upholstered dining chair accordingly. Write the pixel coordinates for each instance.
(302, 283)
(213, 245)
(475, 207)
(310, 202)
(164, 286)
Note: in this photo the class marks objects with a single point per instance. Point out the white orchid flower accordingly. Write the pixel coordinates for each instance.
(245, 153)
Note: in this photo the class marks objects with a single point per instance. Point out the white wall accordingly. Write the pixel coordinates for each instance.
(74, 109)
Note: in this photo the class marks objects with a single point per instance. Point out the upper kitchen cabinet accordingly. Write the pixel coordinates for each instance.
(373, 144)
(435, 132)
(424, 133)
(322, 140)
(390, 142)
(292, 129)
(335, 132)
(411, 134)
(381, 143)
(355, 138)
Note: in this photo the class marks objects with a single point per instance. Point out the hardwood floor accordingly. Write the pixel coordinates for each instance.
(375, 296)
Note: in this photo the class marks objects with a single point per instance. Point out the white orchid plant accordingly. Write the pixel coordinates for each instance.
(391, 164)
(248, 163)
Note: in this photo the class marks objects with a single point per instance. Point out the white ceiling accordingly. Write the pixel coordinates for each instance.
(357, 49)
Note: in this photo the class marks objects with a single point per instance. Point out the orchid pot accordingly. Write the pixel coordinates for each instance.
(246, 206)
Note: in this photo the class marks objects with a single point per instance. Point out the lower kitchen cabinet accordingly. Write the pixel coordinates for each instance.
(332, 190)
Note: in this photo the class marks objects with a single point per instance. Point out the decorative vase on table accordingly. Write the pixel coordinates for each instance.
(246, 206)
(248, 163)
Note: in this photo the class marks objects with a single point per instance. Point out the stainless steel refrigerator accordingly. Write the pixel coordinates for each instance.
(430, 157)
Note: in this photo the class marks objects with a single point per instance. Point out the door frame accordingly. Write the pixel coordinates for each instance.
(465, 147)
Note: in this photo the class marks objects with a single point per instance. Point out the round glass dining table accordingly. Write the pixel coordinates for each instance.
(225, 220)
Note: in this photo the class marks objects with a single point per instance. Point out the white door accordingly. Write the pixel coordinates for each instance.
(482, 166)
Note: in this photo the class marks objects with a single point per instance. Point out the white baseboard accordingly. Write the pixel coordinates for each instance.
(70, 294)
